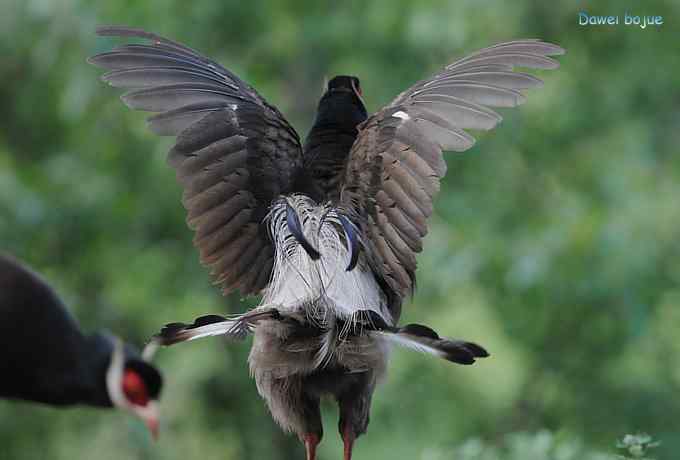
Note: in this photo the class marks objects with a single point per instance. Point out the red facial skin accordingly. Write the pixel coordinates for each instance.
(136, 393)
(134, 388)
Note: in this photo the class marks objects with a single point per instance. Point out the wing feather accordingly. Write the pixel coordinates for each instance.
(406, 140)
(234, 152)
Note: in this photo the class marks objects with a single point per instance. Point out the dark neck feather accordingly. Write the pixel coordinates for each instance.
(341, 110)
(87, 383)
(63, 381)
(100, 350)
(329, 142)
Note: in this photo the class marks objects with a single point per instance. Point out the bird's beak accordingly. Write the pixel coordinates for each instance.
(150, 416)
(152, 425)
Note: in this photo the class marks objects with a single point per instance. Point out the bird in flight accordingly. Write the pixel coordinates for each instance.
(327, 231)
(47, 359)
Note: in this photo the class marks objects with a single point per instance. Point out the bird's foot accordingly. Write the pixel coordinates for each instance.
(311, 440)
(348, 438)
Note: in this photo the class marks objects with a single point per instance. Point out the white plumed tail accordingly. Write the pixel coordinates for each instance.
(324, 286)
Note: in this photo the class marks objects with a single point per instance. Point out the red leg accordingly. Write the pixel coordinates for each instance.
(311, 440)
(348, 438)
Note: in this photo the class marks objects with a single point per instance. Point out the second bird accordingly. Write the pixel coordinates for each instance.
(46, 358)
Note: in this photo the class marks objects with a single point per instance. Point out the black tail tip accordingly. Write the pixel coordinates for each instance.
(173, 333)
(477, 350)
(463, 352)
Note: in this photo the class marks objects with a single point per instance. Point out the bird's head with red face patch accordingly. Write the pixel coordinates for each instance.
(134, 385)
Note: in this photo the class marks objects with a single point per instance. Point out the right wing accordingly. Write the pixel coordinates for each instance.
(396, 162)
(234, 154)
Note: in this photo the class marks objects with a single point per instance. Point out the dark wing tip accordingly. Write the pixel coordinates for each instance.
(126, 31)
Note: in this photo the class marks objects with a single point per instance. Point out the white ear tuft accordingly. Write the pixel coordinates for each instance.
(150, 349)
(114, 375)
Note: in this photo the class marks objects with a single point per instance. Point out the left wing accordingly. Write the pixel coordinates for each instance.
(235, 153)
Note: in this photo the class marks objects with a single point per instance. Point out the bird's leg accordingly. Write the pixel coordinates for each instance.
(348, 438)
(293, 408)
(308, 417)
(311, 440)
(355, 405)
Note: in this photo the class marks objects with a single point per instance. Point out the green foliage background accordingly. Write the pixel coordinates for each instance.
(554, 244)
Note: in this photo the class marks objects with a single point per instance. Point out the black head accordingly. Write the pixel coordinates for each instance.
(344, 83)
(342, 103)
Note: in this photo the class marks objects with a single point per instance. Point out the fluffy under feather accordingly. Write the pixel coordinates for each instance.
(324, 288)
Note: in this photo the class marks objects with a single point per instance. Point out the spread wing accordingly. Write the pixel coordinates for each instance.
(234, 152)
(396, 162)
